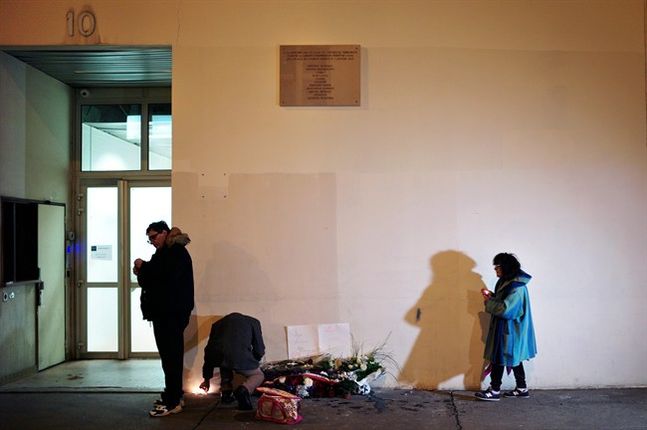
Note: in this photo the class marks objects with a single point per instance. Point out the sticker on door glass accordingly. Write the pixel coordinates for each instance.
(101, 252)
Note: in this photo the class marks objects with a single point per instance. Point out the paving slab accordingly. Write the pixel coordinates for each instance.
(387, 409)
(605, 409)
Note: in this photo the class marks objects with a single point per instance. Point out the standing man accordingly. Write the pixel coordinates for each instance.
(167, 301)
(235, 345)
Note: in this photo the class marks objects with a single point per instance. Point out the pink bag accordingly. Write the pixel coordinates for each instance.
(278, 406)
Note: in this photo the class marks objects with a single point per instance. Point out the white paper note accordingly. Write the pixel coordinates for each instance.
(307, 340)
(335, 339)
(303, 340)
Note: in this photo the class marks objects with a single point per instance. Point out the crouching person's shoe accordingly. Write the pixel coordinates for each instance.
(227, 397)
(164, 410)
(488, 395)
(244, 399)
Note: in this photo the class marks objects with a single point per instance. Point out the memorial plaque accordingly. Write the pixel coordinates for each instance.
(320, 75)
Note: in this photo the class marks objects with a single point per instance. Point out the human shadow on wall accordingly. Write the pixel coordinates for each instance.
(230, 275)
(452, 326)
(198, 330)
(195, 333)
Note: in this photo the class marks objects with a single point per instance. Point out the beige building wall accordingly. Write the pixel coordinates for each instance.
(483, 127)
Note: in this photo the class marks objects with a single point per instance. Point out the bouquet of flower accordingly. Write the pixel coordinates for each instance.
(327, 376)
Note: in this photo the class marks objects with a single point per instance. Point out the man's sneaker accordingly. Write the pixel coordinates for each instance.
(488, 395)
(163, 410)
(244, 399)
(160, 402)
(517, 393)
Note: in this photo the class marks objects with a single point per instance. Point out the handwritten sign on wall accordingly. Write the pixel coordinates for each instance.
(307, 340)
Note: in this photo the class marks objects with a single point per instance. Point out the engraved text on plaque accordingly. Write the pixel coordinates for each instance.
(320, 75)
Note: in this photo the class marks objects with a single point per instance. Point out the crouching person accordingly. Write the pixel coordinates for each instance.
(235, 346)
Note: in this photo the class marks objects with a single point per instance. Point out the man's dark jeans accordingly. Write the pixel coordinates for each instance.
(169, 337)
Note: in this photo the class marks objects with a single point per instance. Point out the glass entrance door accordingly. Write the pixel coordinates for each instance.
(115, 216)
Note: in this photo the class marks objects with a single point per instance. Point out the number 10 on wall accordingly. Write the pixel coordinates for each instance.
(86, 23)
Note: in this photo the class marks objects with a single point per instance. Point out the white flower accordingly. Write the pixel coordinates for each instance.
(363, 366)
(307, 382)
(302, 391)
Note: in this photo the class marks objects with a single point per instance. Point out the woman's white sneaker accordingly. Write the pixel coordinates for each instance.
(488, 395)
(518, 393)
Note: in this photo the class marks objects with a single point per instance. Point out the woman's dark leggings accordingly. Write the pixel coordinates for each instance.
(497, 375)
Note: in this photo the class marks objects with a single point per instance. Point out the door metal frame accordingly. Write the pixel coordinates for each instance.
(127, 262)
(38, 282)
(123, 180)
(123, 283)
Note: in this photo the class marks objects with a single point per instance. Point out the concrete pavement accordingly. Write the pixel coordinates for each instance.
(624, 408)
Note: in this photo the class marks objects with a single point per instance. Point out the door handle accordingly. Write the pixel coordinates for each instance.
(40, 286)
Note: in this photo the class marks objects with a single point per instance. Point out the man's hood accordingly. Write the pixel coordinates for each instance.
(176, 237)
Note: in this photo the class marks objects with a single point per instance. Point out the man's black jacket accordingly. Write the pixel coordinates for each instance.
(235, 342)
(167, 280)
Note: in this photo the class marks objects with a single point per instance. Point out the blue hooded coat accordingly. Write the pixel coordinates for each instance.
(511, 336)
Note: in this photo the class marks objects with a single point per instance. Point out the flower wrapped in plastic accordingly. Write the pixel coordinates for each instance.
(327, 376)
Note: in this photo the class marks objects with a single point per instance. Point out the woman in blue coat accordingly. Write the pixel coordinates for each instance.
(511, 336)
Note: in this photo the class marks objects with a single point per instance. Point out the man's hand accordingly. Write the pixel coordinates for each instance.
(205, 386)
(137, 265)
